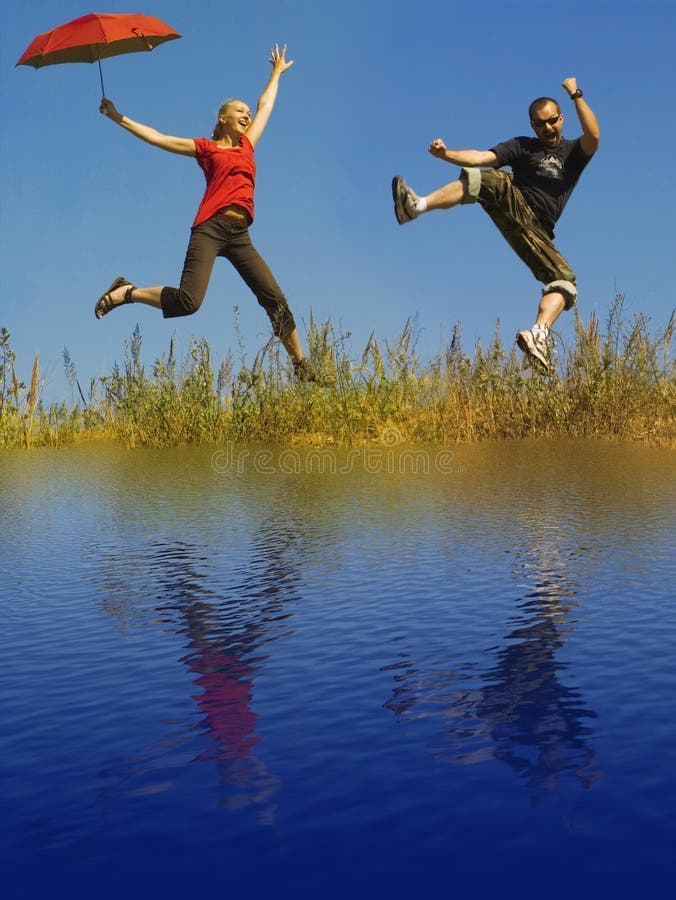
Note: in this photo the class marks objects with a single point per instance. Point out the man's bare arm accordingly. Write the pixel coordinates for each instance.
(468, 158)
(591, 133)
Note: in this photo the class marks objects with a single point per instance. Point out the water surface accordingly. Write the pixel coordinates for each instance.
(379, 671)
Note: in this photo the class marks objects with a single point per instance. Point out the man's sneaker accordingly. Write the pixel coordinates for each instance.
(533, 342)
(405, 200)
(305, 372)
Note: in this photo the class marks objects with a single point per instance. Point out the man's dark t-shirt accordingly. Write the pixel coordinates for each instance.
(545, 177)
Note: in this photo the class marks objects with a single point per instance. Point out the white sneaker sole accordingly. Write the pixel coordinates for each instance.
(399, 197)
(526, 343)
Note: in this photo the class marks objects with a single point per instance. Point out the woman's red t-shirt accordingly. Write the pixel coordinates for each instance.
(230, 175)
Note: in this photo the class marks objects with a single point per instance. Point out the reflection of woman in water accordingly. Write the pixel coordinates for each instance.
(222, 637)
(224, 678)
(221, 226)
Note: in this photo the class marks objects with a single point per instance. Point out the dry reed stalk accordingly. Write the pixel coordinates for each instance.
(31, 402)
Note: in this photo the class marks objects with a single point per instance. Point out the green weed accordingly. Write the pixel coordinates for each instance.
(616, 382)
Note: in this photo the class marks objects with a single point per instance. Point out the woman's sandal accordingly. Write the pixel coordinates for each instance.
(105, 302)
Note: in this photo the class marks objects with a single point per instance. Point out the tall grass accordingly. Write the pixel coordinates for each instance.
(616, 383)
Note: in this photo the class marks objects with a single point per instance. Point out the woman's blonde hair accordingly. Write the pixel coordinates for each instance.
(218, 127)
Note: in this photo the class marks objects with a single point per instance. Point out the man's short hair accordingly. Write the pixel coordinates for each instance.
(539, 103)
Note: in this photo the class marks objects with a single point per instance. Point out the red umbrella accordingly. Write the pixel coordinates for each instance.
(92, 38)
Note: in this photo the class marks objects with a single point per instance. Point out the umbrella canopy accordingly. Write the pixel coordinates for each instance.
(96, 36)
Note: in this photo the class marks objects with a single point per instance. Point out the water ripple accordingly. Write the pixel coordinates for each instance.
(247, 668)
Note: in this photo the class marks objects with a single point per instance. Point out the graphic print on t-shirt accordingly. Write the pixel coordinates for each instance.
(551, 167)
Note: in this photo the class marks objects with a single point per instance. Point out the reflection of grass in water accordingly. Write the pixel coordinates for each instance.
(619, 384)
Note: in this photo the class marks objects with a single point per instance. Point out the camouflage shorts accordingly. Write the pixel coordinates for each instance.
(506, 206)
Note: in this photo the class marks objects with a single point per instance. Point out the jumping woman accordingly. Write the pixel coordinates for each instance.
(221, 226)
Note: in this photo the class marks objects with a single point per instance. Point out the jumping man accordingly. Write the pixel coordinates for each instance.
(524, 204)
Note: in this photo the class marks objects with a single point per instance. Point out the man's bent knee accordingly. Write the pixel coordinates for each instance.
(566, 288)
(471, 182)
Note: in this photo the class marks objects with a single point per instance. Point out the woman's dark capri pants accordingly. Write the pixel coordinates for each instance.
(518, 224)
(227, 234)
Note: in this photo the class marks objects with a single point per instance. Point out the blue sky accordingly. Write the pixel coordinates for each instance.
(373, 83)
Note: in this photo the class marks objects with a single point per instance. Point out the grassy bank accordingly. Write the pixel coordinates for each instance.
(615, 381)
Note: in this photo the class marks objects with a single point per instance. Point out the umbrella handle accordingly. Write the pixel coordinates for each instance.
(103, 93)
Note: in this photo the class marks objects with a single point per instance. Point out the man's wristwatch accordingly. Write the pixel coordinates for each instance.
(576, 94)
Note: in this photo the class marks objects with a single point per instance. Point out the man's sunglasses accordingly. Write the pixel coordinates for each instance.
(540, 123)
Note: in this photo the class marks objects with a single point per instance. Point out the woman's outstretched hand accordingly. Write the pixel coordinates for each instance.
(107, 108)
(278, 59)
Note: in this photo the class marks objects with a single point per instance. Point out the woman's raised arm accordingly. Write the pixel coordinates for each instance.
(266, 101)
(183, 146)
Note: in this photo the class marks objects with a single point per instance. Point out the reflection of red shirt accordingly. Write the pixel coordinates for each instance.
(230, 175)
(226, 703)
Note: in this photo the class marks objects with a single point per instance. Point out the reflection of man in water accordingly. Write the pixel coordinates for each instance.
(518, 711)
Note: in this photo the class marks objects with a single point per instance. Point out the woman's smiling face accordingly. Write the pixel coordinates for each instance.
(235, 118)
